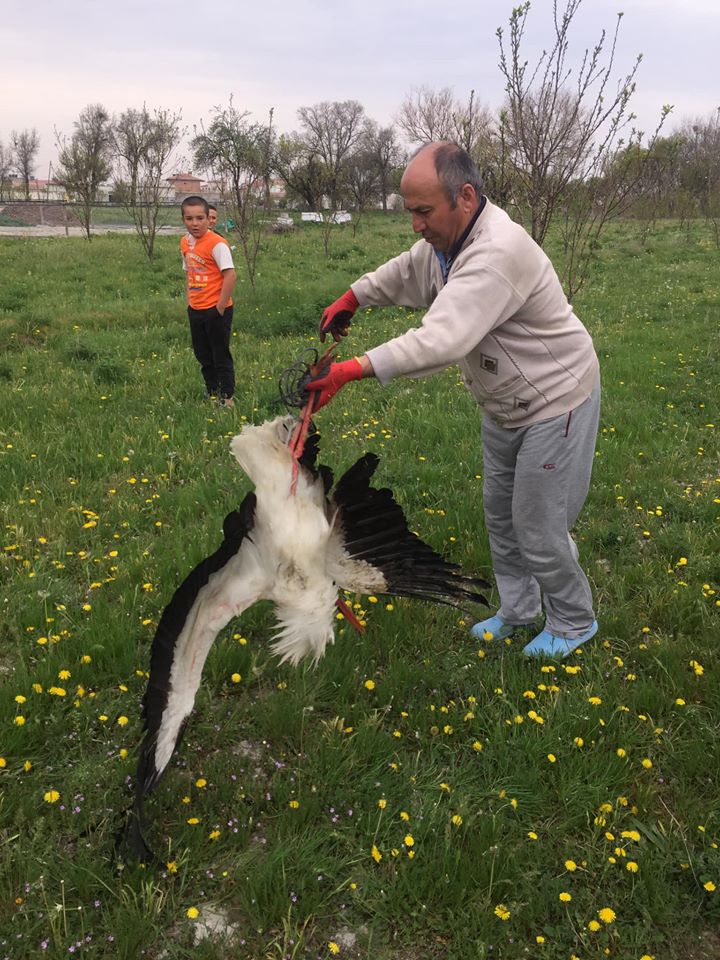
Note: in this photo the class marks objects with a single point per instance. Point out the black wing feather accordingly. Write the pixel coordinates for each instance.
(236, 527)
(375, 530)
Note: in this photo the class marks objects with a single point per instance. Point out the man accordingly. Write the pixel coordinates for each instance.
(496, 307)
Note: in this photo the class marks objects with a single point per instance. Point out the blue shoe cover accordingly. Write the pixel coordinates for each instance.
(494, 625)
(546, 644)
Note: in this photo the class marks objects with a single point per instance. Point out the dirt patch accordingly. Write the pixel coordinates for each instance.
(704, 946)
(39, 214)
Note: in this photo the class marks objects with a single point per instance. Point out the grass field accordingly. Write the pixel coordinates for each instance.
(418, 796)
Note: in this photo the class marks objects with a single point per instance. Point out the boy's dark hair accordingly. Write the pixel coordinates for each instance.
(195, 202)
(212, 206)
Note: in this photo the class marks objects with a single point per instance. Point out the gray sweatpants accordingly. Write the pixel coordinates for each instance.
(536, 480)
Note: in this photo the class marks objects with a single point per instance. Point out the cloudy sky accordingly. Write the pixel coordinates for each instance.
(59, 55)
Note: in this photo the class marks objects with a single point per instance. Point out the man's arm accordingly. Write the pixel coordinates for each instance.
(367, 367)
(226, 290)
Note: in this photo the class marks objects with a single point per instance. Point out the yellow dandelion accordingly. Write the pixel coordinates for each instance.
(502, 911)
(632, 866)
(122, 721)
(201, 782)
(236, 678)
(570, 865)
(369, 684)
(456, 820)
(192, 913)
(52, 796)
(647, 763)
(333, 947)
(375, 854)
(19, 720)
(382, 803)
(565, 897)
(409, 840)
(593, 926)
(709, 886)
(294, 804)
(607, 915)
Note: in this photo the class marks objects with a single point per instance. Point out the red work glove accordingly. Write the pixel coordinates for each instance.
(336, 317)
(330, 381)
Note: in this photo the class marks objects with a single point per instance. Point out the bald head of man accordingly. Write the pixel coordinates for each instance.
(441, 189)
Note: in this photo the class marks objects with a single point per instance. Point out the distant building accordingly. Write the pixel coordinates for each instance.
(39, 189)
(185, 184)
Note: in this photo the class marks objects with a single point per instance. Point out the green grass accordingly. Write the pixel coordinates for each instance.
(409, 739)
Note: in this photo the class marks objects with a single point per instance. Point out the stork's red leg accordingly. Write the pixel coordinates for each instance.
(349, 615)
(297, 440)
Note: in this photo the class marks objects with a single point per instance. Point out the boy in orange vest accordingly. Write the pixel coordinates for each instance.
(210, 277)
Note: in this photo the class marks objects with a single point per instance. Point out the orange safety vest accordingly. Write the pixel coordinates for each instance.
(203, 274)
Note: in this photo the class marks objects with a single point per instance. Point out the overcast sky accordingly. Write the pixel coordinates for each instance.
(59, 55)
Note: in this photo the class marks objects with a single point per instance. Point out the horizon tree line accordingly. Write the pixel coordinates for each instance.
(562, 148)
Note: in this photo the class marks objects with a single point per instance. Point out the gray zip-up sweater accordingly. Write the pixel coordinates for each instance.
(502, 316)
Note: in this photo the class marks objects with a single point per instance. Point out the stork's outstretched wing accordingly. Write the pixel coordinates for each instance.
(290, 544)
(218, 589)
(373, 530)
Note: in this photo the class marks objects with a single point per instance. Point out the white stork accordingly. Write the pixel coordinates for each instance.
(294, 543)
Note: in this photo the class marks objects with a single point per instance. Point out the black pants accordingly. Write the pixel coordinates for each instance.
(210, 334)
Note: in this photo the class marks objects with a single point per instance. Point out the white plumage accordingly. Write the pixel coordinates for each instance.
(297, 545)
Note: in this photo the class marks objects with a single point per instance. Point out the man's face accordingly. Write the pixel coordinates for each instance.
(196, 220)
(212, 218)
(433, 215)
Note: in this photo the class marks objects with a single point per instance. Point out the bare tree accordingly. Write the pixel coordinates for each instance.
(144, 145)
(6, 169)
(387, 157)
(362, 179)
(701, 166)
(616, 177)
(238, 153)
(426, 114)
(551, 125)
(25, 146)
(473, 127)
(332, 130)
(84, 161)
